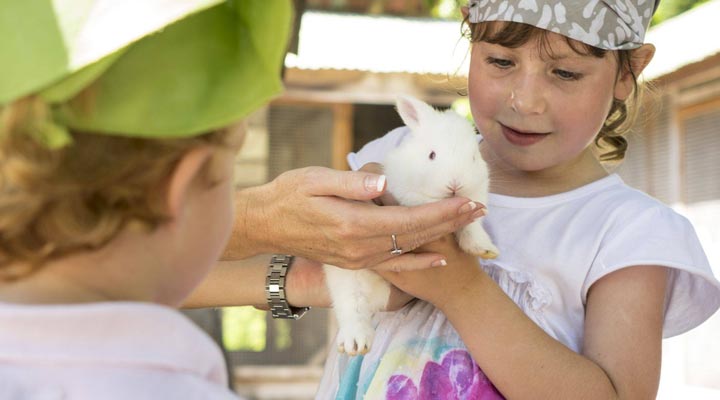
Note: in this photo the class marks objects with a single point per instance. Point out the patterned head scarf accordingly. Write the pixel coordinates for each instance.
(609, 25)
(153, 68)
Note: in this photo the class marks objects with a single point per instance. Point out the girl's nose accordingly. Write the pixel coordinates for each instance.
(527, 97)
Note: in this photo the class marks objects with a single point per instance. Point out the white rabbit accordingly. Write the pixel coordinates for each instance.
(438, 159)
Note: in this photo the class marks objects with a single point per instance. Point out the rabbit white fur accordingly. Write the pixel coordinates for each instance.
(439, 159)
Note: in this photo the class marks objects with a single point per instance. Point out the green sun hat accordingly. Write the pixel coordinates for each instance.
(142, 68)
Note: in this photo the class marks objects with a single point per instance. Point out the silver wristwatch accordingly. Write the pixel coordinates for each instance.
(275, 289)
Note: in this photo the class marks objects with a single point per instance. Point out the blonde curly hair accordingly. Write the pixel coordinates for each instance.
(54, 202)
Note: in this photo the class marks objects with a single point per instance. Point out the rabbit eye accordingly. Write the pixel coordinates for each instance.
(432, 155)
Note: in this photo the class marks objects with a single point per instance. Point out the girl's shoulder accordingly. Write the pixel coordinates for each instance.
(638, 229)
(620, 192)
(626, 208)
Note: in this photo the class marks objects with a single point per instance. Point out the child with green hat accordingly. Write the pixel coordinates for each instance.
(116, 160)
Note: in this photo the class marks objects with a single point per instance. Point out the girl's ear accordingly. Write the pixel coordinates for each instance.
(639, 59)
(465, 11)
(185, 173)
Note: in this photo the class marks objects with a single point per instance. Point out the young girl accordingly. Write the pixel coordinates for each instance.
(592, 273)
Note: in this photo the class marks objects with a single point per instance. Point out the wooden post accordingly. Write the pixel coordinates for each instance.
(342, 135)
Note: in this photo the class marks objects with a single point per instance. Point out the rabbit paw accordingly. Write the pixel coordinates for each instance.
(355, 341)
(481, 248)
(488, 255)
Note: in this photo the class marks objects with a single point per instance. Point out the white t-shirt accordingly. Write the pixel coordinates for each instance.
(114, 350)
(552, 249)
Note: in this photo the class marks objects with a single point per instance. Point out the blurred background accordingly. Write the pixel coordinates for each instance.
(348, 61)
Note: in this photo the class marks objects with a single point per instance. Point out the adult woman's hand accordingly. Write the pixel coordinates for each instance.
(324, 215)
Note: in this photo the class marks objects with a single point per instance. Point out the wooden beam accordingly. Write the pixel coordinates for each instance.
(708, 106)
(342, 134)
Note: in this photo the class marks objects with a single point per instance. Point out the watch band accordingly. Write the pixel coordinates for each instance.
(275, 288)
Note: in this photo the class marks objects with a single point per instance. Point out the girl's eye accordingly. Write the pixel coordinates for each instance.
(499, 62)
(567, 75)
(431, 155)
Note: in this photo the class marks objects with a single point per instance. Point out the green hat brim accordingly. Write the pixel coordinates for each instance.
(205, 71)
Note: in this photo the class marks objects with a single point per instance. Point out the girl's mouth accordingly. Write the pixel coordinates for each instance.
(519, 138)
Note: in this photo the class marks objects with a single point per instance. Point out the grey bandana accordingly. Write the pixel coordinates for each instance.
(609, 25)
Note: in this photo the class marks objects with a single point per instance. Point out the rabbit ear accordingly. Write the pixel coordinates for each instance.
(412, 111)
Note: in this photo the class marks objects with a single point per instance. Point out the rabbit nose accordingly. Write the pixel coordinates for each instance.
(454, 187)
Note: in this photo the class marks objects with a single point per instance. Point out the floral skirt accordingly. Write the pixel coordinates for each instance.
(416, 354)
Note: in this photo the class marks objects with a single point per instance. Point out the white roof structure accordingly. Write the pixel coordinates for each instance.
(386, 44)
(686, 39)
(382, 44)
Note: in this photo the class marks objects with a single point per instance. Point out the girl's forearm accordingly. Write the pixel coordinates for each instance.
(521, 360)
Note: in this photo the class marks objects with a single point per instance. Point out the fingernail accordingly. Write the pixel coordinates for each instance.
(375, 183)
(479, 213)
(467, 207)
(439, 263)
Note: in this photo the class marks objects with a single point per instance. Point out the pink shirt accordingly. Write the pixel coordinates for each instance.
(108, 350)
